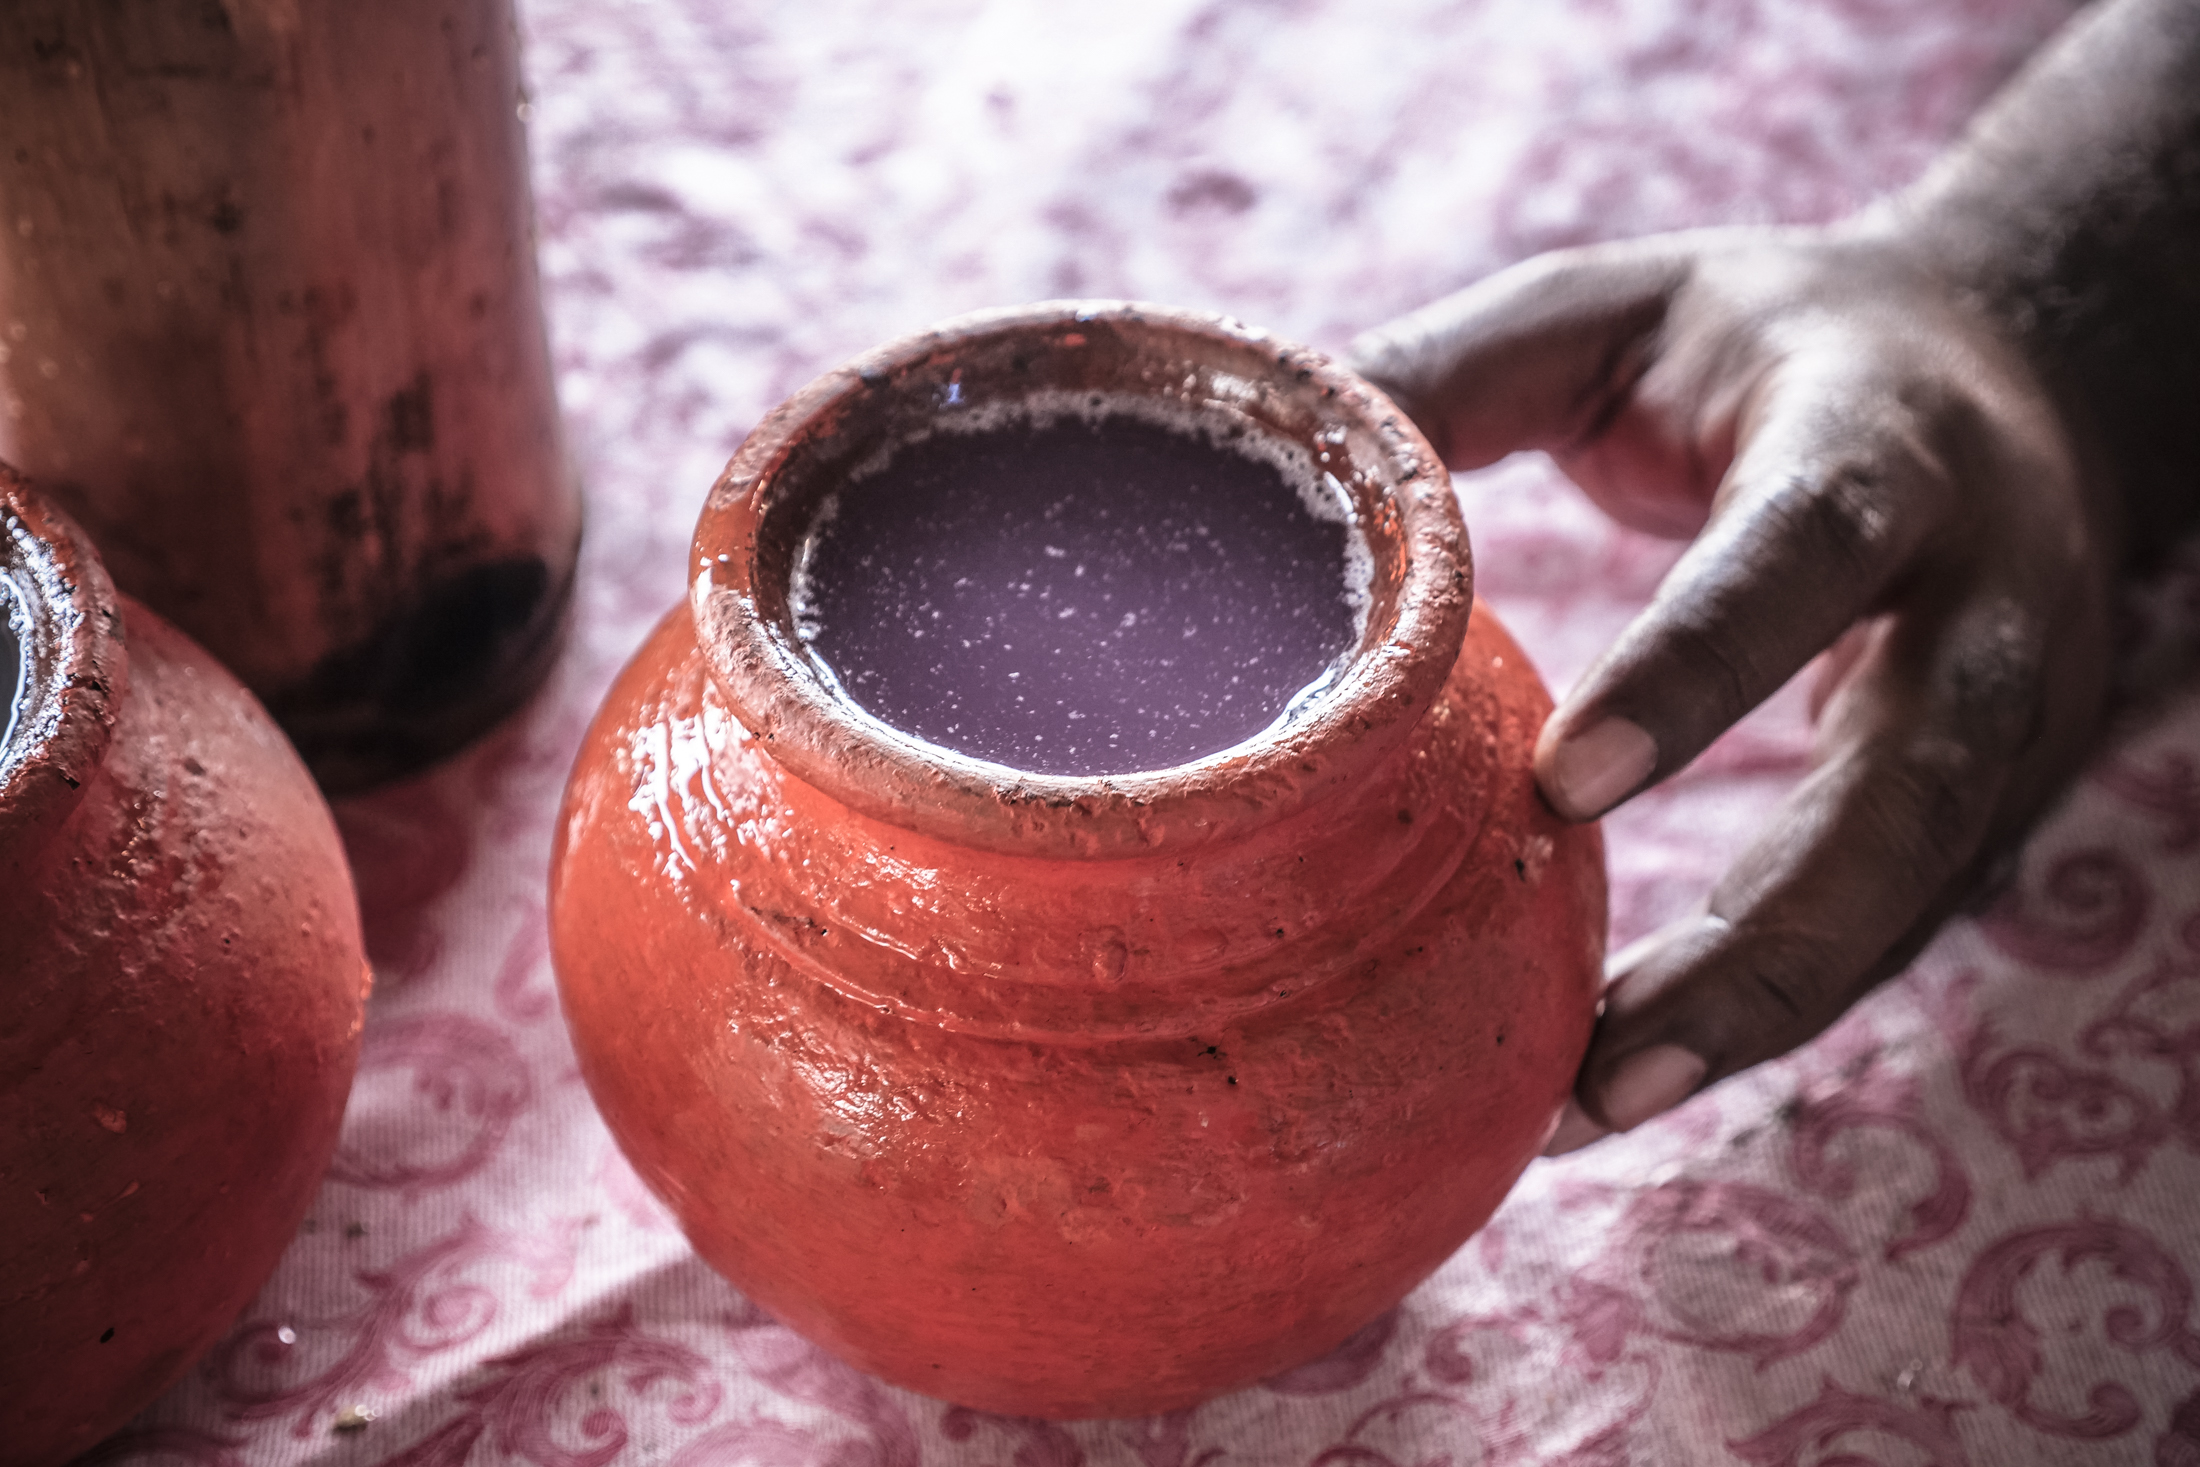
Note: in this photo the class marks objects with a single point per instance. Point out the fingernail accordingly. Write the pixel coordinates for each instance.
(1596, 768)
(1574, 1131)
(1650, 1083)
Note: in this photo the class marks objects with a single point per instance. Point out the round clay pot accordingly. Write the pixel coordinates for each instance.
(1075, 1097)
(181, 992)
(274, 337)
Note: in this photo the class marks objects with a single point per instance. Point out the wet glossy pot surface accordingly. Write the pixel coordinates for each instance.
(1077, 1097)
(184, 986)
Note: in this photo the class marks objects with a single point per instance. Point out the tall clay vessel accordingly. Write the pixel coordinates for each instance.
(270, 329)
(1075, 1096)
(181, 993)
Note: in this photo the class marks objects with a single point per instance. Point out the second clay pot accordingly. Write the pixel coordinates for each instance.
(181, 994)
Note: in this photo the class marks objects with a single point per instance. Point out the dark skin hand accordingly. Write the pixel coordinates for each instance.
(1921, 442)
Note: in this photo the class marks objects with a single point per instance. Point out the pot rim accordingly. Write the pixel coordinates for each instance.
(1421, 596)
(75, 669)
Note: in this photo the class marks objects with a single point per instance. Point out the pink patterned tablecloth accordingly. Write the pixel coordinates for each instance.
(1963, 1228)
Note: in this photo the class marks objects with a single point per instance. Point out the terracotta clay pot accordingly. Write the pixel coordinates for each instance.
(181, 992)
(1075, 1096)
(270, 330)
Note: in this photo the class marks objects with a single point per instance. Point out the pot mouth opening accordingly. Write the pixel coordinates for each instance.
(1213, 619)
(1355, 462)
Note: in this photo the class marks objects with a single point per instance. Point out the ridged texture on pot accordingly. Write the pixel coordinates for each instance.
(1068, 1137)
(183, 993)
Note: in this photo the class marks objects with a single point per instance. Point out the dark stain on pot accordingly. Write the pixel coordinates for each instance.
(411, 421)
(462, 636)
(455, 655)
(384, 507)
(327, 310)
(457, 631)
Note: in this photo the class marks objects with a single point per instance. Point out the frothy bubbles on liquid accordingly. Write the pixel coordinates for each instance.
(1084, 584)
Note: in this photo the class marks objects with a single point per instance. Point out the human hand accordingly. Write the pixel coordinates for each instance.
(1867, 466)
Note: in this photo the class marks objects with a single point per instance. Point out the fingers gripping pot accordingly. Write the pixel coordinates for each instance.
(183, 990)
(1075, 1096)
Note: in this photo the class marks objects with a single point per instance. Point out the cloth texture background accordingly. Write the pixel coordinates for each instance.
(1961, 1228)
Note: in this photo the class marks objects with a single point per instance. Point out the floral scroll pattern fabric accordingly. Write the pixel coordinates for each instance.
(1959, 1230)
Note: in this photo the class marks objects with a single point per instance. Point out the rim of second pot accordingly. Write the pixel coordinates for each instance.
(75, 673)
(747, 537)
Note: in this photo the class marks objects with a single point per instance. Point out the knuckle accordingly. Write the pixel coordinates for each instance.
(1841, 520)
(1991, 680)
(1573, 271)
(1605, 388)
(1778, 990)
(1851, 520)
(1782, 987)
(1701, 645)
(1932, 805)
(1926, 798)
